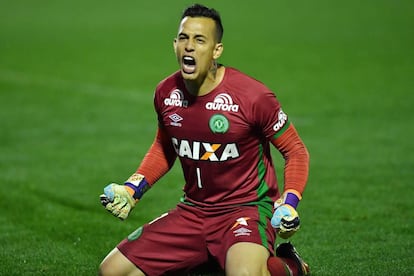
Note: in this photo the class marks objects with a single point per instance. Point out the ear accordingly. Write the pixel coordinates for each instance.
(175, 45)
(218, 50)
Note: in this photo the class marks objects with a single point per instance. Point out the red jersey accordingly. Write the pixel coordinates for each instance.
(223, 138)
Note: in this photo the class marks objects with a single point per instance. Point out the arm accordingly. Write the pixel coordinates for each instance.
(157, 162)
(121, 199)
(159, 158)
(285, 219)
(296, 158)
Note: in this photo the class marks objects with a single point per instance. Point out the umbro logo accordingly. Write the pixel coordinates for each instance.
(242, 232)
(175, 119)
(176, 98)
(223, 102)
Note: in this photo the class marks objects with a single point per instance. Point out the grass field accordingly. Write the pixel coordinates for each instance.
(76, 84)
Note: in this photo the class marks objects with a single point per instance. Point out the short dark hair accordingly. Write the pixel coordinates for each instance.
(198, 10)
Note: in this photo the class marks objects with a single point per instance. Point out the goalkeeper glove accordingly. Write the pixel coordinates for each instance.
(119, 200)
(285, 218)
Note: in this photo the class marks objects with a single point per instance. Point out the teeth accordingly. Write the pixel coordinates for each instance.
(189, 60)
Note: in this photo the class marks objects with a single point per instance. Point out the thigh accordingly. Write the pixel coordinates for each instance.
(172, 242)
(244, 224)
(117, 264)
(246, 258)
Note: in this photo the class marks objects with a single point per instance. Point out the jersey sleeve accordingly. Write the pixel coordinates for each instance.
(161, 156)
(277, 129)
(269, 116)
(158, 160)
(296, 156)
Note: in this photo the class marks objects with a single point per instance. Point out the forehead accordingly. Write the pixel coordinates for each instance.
(197, 26)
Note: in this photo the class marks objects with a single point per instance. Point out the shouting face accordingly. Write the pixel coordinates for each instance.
(196, 47)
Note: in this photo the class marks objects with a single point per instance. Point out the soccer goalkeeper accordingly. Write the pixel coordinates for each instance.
(220, 124)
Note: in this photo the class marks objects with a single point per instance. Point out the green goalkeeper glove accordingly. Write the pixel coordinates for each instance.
(117, 200)
(285, 218)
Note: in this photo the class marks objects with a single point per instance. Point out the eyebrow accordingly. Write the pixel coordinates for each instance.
(196, 36)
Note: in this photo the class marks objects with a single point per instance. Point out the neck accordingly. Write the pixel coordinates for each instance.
(207, 84)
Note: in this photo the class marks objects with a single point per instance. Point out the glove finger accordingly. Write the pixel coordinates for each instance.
(281, 212)
(116, 205)
(290, 222)
(275, 221)
(104, 200)
(285, 234)
(120, 208)
(109, 192)
(124, 212)
(111, 209)
(277, 217)
(112, 206)
(288, 227)
(119, 202)
(116, 201)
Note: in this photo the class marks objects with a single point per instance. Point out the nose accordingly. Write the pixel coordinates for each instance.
(189, 46)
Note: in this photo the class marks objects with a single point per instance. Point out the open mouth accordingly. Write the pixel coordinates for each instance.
(188, 65)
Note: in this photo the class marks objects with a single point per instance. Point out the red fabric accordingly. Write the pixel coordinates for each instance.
(296, 157)
(159, 158)
(228, 163)
(277, 266)
(185, 237)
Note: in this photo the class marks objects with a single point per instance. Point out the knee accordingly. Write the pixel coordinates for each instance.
(246, 259)
(246, 268)
(110, 269)
(243, 270)
(116, 264)
(106, 269)
(110, 266)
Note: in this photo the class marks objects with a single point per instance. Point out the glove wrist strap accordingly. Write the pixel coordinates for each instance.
(292, 200)
(139, 184)
(292, 197)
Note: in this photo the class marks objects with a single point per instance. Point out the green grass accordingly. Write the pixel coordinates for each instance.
(76, 84)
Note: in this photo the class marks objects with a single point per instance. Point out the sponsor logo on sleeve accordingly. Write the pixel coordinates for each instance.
(281, 122)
